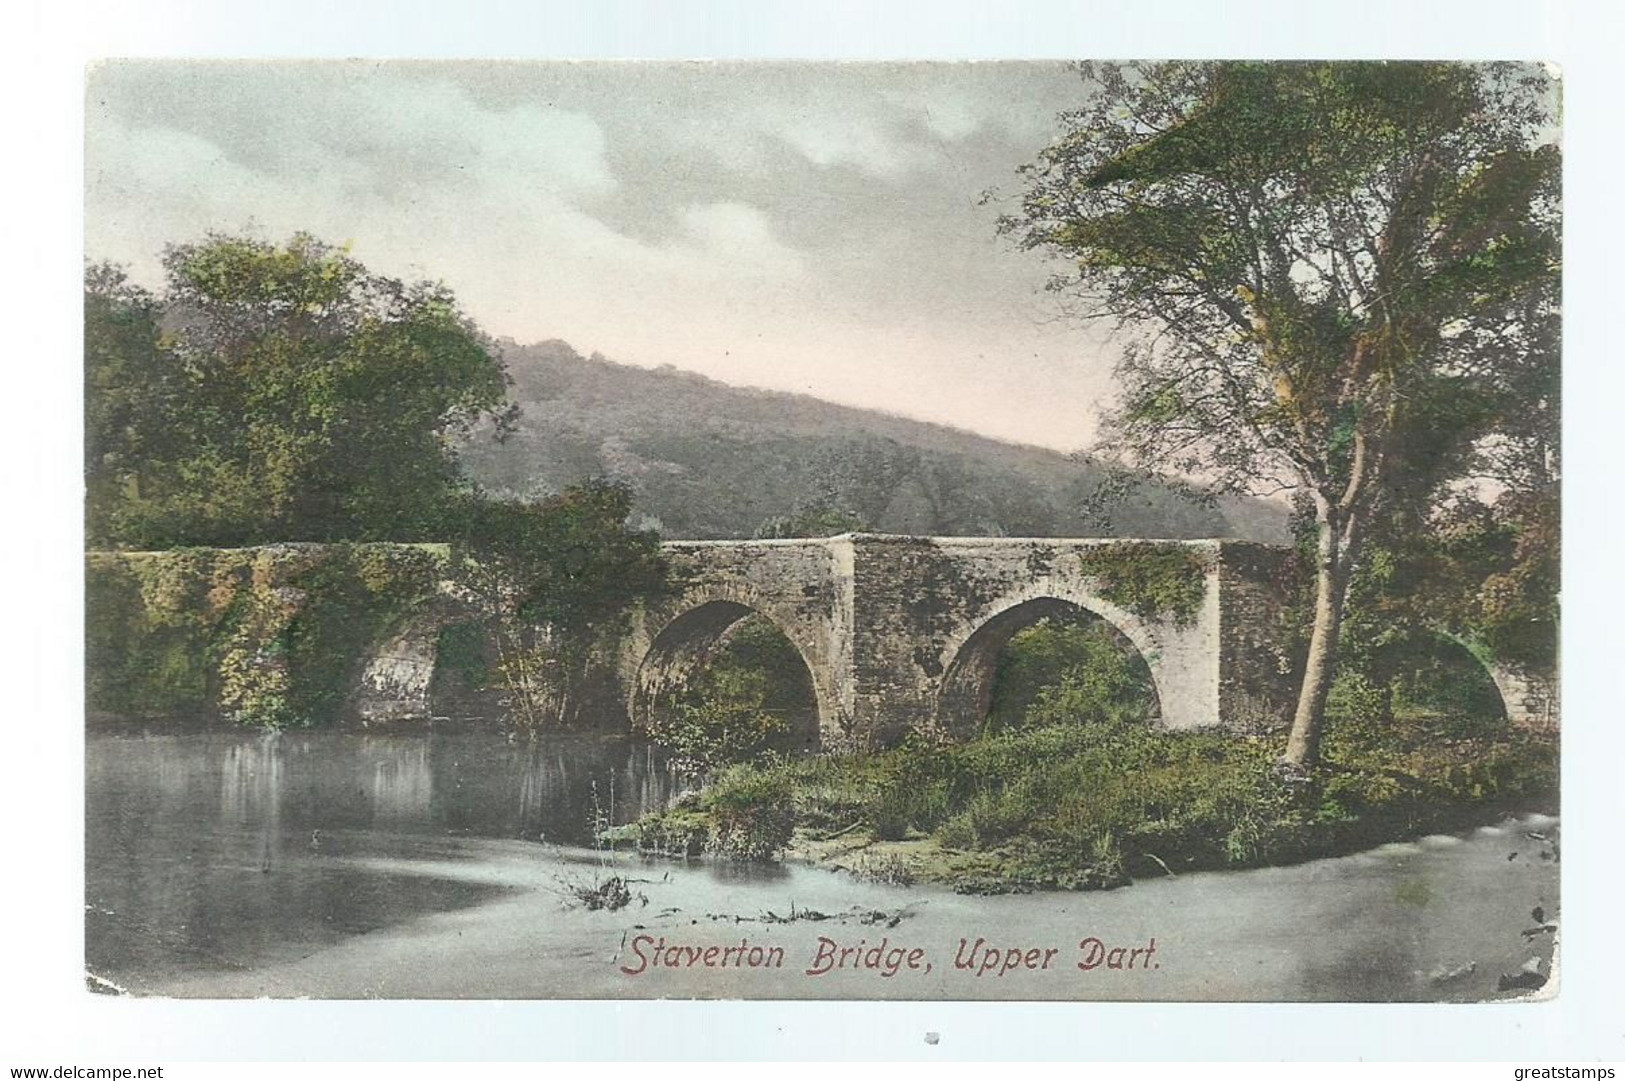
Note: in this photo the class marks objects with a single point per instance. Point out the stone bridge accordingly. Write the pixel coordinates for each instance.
(899, 633)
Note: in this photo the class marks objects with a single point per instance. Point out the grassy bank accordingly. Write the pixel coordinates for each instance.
(1080, 806)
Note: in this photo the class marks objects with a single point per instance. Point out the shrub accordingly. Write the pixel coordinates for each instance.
(460, 654)
(720, 721)
(681, 831)
(1081, 806)
(739, 706)
(957, 832)
(751, 814)
(1079, 671)
(911, 791)
(1355, 694)
(995, 815)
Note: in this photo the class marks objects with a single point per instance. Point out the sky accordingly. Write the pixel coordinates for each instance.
(806, 227)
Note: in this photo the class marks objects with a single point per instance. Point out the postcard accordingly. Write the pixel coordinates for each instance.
(756, 530)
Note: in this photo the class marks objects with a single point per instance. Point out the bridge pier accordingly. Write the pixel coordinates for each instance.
(1530, 697)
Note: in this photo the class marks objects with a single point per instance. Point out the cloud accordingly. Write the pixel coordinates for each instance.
(831, 117)
(803, 227)
(426, 179)
(436, 127)
(738, 236)
(889, 133)
(869, 144)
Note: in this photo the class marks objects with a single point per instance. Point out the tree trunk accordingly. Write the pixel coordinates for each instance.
(1335, 554)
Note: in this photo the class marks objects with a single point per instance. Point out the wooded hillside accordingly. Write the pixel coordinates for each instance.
(708, 460)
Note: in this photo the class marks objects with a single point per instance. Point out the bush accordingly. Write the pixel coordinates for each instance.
(751, 815)
(461, 655)
(957, 832)
(1070, 672)
(994, 815)
(746, 815)
(1354, 694)
(682, 831)
(738, 707)
(720, 721)
(907, 790)
(147, 632)
(553, 580)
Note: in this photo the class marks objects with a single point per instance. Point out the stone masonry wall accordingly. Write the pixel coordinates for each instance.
(922, 602)
(1530, 697)
(899, 633)
(802, 586)
(1260, 658)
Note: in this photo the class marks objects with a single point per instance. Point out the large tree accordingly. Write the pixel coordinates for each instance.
(131, 388)
(277, 392)
(1339, 278)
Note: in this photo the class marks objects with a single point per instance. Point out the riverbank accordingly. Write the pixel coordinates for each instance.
(1098, 806)
(318, 863)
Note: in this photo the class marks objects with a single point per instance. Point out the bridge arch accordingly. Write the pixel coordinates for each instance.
(398, 670)
(1528, 698)
(966, 694)
(687, 642)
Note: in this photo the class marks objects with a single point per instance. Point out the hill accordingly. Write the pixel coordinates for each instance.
(712, 461)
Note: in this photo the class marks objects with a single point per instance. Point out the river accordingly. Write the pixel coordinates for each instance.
(441, 863)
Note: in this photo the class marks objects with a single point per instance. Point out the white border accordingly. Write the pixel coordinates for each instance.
(43, 1010)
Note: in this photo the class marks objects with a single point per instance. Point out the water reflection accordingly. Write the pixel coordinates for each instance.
(223, 848)
(474, 782)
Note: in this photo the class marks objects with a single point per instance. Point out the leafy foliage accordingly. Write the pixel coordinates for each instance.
(460, 655)
(1156, 581)
(1487, 576)
(751, 815)
(745, 815)
(553, 581)
(276, 393)
(1339, 278)
(271, 637)
(562, 561)
(131, 388)
(741, 705)
(1059, 672)
(1085, 806)
(722, 719)
(285, 393)
(1070, 788)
